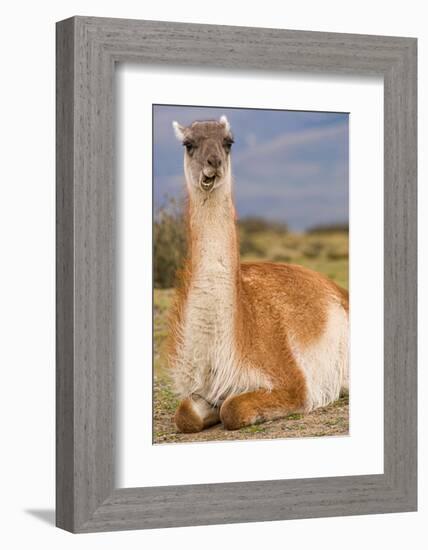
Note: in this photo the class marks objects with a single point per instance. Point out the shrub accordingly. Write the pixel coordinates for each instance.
(248, 246)
(313, 249)
(169, 244)
(329, 228)
(254, 224)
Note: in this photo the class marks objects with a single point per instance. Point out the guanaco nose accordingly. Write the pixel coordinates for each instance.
(214, 161)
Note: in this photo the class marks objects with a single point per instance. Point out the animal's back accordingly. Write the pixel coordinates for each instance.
(295, 321)
(301, 296)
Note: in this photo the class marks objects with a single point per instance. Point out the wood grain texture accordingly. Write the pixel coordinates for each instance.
(64, 277)
(87, 49)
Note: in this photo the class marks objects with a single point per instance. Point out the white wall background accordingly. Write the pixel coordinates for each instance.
(27, 272)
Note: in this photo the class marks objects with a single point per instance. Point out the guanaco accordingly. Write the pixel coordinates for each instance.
(250, 342)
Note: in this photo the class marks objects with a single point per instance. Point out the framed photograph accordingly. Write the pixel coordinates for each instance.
(236, 274)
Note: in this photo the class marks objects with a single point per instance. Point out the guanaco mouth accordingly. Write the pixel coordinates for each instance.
(207, 182)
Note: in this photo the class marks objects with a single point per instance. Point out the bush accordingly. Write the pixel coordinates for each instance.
(282, 257)
(254, 224)
(313, 249)
(169, 250)
(329, 228)
(251, 229)
(248, 246)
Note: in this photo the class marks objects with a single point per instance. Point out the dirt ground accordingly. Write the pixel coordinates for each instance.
(328, 421)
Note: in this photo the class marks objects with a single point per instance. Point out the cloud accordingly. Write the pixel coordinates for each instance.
(287, 141)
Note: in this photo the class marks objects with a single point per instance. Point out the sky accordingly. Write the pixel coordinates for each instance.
(287, 166)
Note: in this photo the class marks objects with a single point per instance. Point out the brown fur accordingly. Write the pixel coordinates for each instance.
(195, 414)
(186, 418)
(257, 406)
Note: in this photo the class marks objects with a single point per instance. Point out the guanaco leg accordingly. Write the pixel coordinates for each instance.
(259, 406)
(194, 414)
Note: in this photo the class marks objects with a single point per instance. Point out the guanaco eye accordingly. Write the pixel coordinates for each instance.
(190, 147)
(227, 144)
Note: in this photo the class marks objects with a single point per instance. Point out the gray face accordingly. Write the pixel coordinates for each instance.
(207, 152)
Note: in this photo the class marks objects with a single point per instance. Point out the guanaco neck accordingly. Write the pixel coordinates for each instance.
(214, 253)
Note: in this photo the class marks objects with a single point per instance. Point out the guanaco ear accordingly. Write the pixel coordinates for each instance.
(225, 122)
(179, 130)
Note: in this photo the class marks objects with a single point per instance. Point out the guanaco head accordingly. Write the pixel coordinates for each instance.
(207, 152)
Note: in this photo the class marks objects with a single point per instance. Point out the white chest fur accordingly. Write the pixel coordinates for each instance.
(209, 314)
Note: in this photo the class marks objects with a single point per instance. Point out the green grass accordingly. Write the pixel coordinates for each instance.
(255, 429)
(295, 416)
(326, 253)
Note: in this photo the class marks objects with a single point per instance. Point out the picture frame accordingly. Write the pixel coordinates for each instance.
(87, 50)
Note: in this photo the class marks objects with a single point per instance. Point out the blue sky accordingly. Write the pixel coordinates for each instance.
(288, 166)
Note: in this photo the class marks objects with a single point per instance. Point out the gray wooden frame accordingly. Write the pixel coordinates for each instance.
(87, 50)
